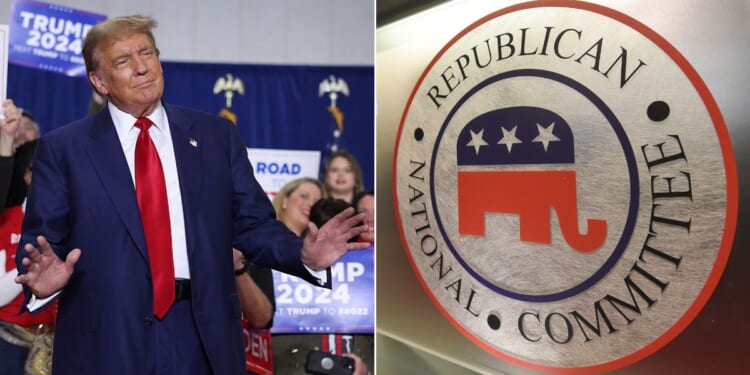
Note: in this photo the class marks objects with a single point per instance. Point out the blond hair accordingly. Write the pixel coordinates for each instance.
(287, 190)
(110, 31)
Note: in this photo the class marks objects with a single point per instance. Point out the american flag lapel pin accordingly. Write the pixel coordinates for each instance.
(193, 142)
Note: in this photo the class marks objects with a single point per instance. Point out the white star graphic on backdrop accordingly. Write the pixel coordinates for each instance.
(509, 138)
(477, 140)
(545, 135)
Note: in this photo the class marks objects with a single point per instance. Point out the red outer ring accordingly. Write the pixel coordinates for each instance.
(729, 166)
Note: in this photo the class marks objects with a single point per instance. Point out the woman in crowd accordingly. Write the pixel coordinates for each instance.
(292, 203)
(343, 176)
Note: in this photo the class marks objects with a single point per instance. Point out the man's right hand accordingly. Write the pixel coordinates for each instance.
(46, 273)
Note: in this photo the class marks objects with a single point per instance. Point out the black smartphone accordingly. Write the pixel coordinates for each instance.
(322, 363)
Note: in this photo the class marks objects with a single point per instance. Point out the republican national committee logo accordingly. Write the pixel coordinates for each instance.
(565, 187)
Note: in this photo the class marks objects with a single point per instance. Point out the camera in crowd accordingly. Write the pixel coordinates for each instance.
(322, 363)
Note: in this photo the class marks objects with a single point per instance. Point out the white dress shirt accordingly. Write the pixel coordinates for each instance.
(162, 138)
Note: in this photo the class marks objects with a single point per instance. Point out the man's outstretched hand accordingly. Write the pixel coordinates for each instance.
(46, 273)
(322, 247)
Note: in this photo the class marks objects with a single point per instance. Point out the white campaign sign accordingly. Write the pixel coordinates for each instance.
(273, 168)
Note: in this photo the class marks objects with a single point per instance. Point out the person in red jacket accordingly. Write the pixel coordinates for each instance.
(25, 339)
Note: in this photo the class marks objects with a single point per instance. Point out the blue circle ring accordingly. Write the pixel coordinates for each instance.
(632, 172)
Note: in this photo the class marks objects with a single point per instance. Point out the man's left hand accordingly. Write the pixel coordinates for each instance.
(322, 247)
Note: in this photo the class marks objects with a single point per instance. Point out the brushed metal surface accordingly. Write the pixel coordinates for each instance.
(713, 39)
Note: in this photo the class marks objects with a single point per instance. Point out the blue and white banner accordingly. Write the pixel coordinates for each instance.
(273, 168)
(349, 307)
(49, 37)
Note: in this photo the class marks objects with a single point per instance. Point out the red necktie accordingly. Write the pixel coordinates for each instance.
(151, 192)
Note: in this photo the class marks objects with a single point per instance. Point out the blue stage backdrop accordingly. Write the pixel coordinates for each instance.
(275, 106)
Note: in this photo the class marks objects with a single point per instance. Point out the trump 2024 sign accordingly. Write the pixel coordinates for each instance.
(565, 187)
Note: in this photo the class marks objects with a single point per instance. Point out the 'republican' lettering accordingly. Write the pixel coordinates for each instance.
(612, 61)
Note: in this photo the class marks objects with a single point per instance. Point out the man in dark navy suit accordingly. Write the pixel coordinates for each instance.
(116, 191)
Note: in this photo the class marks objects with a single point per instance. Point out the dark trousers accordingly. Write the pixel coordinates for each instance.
(178, 347)
(12, 358)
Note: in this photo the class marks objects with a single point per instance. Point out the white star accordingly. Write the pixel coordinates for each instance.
(509, 138)
(545, 135)
(477, 140)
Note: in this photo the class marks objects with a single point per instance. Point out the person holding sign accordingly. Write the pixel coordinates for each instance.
(18, 332)
(13, 168)
(25, 339)
(131, 218)
(18, 133)
(9, 124)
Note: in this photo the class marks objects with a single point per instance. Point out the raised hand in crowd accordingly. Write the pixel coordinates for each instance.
(9, 122)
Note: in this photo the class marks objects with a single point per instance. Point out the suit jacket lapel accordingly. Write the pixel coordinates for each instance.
(114, 174)
(187, 147)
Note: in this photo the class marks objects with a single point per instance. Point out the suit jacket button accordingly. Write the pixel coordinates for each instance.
(148, 321)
